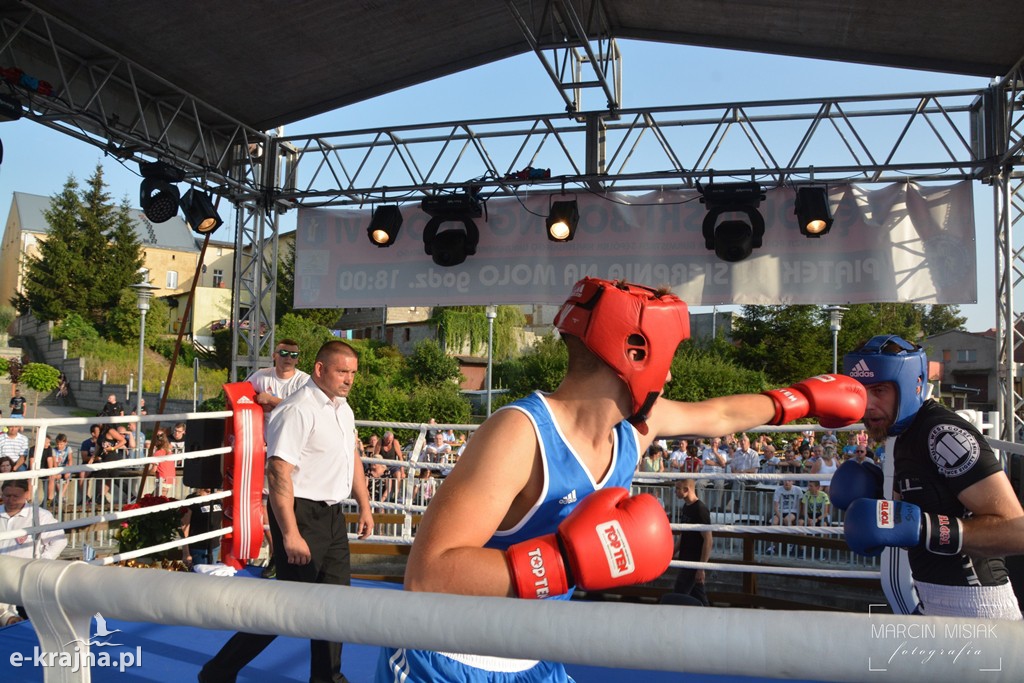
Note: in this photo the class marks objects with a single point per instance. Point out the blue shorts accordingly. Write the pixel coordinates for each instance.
(423, 666)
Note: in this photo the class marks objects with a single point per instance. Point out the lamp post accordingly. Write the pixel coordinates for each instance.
(835, 319)
(492, 313)
(143, 293)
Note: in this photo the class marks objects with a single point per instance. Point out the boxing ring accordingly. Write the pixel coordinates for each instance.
(63, 597)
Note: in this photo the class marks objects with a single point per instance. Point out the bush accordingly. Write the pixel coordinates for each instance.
(76, 330)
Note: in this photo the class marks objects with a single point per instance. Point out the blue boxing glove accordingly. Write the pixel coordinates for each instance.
(872, 525)
(855, 480)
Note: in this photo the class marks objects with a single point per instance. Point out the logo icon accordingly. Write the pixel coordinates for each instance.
(885, 517)
(568, 499)
(616, 550)
(861, 370)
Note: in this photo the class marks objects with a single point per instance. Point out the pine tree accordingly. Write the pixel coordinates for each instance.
(89, 257)
(53, 283)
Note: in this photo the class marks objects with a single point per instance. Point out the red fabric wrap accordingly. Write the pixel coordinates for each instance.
(243, 476)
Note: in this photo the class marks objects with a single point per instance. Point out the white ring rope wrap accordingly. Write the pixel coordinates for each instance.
(62, 596)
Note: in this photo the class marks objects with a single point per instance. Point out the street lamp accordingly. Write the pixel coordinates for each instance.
(835, 318)
(143, 293)
(492, 313)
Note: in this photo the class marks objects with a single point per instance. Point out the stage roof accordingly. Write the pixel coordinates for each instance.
(268, 63)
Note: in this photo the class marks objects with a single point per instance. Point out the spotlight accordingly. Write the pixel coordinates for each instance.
(384, 225)
(562, 221)
(450, 247)
(200, 213)
(158, 196)
(813, 211)
(732, 240)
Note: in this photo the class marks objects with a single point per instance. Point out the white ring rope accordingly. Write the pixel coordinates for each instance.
(775, 569)
(857, 644)
(112, 516)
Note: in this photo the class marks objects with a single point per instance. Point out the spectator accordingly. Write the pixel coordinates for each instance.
(60, 456)
(694, 546)
(6, 466)
(862, 454)
(14, 447)
(18, 514)
(678, 456)
(786, 503)
(274, 384)
(829, 438)
(744, 460)
(112, 408)
(17, 404)
(769, 460)
(113, 447)
(653, 460)
(826, 464)
(88, 454)
(438, 450)
(390, 449)
(693, 462)
(200, 518)
(714, 463)
(176, 438)
(815, 506)
(164, 472)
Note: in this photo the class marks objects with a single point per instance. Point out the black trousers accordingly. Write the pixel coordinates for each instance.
(324, 529)
(686, 584)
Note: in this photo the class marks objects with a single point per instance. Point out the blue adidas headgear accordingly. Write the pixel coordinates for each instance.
(907, 368)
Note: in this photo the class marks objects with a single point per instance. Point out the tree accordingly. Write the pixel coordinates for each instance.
(57, 281)
(124, 320)
(285, 293)
(431, 366)
(466, 326)
(787, 343)
(89, 256)
(542, 367)
(942, 318)
(40, 378)
(705, 370)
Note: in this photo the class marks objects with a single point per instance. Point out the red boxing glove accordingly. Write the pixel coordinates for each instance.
(609, 540)
(837, 400)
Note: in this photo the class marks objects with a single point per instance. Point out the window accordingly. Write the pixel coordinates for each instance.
(218, 277)
(966, 355)
(172, 279)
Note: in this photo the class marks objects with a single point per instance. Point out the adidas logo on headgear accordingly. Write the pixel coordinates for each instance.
(861, 370)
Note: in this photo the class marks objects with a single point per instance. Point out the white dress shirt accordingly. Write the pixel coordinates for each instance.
(53, 542)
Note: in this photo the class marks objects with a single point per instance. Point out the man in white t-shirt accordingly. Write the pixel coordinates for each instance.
(275, 384)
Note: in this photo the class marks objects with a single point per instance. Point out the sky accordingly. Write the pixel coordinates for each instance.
(38, 160)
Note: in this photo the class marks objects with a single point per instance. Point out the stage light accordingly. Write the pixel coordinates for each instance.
(158, 196)
(451, 246)
(384, 225)
(733, 239)
(813, 211)
(200, 213)
(562, 221)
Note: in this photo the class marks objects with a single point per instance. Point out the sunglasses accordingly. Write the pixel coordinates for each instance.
(287, 354)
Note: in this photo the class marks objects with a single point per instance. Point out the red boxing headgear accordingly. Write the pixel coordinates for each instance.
(631, 328)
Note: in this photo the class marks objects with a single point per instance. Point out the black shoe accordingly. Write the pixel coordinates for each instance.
(269, 572)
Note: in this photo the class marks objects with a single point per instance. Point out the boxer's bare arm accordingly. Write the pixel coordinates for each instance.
(486, 491)
(713, 417)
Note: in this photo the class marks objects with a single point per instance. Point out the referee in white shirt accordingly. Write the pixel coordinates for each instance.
(309, 475)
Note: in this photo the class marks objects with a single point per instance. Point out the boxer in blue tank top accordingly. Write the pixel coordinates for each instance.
(539, 500)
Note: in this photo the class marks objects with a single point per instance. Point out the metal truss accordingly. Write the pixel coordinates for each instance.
(1006, 126)
(102, 98)
(576, 52)
(870, 139)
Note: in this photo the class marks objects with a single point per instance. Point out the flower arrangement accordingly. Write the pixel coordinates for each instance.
(148, 530)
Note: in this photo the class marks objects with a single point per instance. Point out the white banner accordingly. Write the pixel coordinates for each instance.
(904, 242)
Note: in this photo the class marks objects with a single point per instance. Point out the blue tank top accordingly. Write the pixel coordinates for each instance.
(566, 479)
